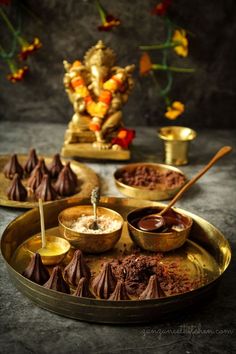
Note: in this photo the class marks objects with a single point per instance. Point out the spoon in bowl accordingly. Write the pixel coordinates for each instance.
(155, 221)
(53, 248)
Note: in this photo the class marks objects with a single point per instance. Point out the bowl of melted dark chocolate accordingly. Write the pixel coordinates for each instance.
(171, 235)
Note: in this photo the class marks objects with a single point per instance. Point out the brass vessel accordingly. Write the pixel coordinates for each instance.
(176, 144)
(89, 242)
(60, 245)
(158, 241)
(206, 253)
(144, 192)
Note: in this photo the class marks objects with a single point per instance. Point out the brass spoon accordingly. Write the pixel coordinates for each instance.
(53, 248)
(95, 196)
(155, 221)
(42, 225)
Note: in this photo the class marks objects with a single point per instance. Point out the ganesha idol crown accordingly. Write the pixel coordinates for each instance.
(97, 90)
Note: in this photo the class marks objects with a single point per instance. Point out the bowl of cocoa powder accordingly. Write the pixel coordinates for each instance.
(149, 181)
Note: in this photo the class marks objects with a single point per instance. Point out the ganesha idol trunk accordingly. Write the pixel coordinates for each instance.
(98, 89)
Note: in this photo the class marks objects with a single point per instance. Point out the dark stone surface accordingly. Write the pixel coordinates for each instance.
(209, 327)
(68, 28)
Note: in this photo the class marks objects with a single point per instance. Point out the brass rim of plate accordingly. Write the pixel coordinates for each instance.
(144, 192)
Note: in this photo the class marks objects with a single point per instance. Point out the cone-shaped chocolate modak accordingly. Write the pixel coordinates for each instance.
(35, 178)
(31, 162)
(119, 293)
(153, 290)
(104, 283)
(36, 271)
(76, 269)
(65, 185)
(13, 167)
(45, 190)
(17, 191)
(82, 289)
(43, 167)
(72, 174)
(56, 281)
(56, 166)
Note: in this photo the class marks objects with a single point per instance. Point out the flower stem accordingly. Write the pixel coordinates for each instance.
(8, 23)
(169, 76)
(11, 28)
(9, 61)
(172, 68)
(159, 46)
(101, 12)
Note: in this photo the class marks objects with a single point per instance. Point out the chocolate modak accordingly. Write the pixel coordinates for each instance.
(104, 283)
(31, 162)
(12, 167)
(56, 281)
(120, 292)
(56, 166)
(35, 178)
(36, 271)
(45, 190)
(76, 269)
(82, 289)
(153, 290)
(71, 173)
(43, 167)
(65, 185)
(17, 191)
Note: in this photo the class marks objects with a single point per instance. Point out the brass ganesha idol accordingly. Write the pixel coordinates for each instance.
(98, 90)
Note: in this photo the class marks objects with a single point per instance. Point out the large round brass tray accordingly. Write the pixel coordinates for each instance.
(87, 180)
(206, 254)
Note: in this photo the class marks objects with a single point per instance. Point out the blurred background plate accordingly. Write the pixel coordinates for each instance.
(87, 180)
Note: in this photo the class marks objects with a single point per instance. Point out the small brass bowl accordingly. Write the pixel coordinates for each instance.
(138, 192)
(158, 241)
(89, 242)
(58, 245)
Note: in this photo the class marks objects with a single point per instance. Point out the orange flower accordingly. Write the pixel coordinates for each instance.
(109, 23)
(145, 64)
(161, 8)
(124, 138)
(27, 48)
(18, 74)
(175, 110)
(180, 37)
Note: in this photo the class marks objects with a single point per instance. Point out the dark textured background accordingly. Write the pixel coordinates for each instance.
(68, 28)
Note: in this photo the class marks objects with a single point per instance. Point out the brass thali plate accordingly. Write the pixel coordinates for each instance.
(159, 193)
(206, 255)
(87, 179)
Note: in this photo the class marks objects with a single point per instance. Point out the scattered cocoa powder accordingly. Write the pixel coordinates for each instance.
(135, 270)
